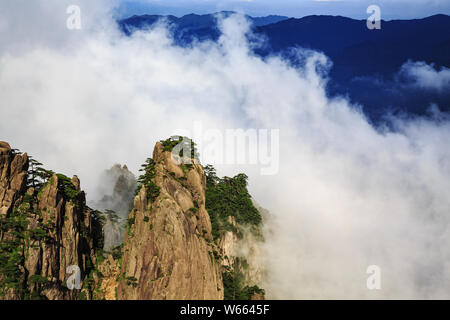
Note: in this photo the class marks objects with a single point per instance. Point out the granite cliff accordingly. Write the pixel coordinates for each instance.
(45, 228)
(189, 234)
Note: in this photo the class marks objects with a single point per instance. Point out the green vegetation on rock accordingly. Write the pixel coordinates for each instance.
(147, 179)
(171, 143)
(16, 239)
(66, 185)
(229, 197)
(38, 177)
(234, 288)
(12, 252)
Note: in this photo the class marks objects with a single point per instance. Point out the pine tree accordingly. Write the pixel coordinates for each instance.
(37, 175)
(147, 179)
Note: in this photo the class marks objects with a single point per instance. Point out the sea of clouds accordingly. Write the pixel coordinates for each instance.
(347, 195)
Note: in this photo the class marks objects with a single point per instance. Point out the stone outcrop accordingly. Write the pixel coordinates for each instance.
(108, 282)
(242, 253)
(168, 251)
(13, 177)
(48, 229)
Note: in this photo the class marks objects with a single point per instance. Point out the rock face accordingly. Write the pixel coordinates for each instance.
(168, 251)
(107, 283)
(43, 232)
(13, 177)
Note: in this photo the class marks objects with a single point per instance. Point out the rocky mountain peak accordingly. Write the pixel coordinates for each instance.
(168, 248)
(180, 240)
(44, 231)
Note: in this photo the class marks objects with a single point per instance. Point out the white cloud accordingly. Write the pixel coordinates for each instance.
(347, 196)
(426, 76)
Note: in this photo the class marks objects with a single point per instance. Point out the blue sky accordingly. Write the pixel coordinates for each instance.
(391, 9)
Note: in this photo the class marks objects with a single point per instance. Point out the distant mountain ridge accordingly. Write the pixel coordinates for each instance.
(192, 25)
(365, 62)
(345, 39)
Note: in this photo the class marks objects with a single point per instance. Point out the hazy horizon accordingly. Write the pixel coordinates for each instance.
(263, 16)
(392, 10)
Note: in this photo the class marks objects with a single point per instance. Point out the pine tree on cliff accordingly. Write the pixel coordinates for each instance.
(37, 175)
(147, 179)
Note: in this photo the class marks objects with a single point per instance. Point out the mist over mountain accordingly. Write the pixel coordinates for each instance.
(116, 190)
(190, 27)
(365, 63)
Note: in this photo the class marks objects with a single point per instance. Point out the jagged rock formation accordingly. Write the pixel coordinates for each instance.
(43, 231)
(237, 230)
(241, 252)
(110, 274)
(117, 189)
(168, 251)
(13, 175)
(173, 247)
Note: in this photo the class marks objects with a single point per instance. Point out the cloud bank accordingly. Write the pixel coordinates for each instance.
(347, 195)
(425, 76)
